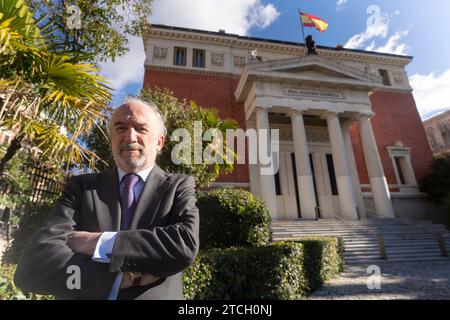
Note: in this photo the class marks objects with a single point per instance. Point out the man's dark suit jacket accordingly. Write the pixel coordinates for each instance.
(162, 240)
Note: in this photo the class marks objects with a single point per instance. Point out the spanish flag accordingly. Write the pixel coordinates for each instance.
(314, 22)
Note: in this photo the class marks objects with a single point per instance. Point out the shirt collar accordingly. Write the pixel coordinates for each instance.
(142, 174)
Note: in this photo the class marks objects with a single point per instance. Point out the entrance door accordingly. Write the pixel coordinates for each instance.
(287, 189)
(326, 186)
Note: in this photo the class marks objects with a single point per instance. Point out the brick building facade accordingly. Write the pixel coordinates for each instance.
(351, 140)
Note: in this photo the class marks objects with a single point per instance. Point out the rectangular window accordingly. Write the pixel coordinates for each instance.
(332, 174)
(401, 175)
(198, 58)
(385, 75)
(179, 56)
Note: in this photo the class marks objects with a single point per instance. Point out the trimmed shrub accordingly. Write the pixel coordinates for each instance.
(232, 218)
(281, 271)
(324, 259)
(272, 272)
(8, 291)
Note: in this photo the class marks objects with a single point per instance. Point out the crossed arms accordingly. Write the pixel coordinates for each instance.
(157, 251)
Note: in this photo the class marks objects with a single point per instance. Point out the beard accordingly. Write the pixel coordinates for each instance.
(132, 155)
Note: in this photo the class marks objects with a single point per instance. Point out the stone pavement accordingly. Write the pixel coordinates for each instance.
(427, 280)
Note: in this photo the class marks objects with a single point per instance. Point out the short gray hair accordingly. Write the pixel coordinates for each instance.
(149, 104)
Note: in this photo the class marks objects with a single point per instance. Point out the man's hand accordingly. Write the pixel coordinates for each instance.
(127, 280)
(83, 242)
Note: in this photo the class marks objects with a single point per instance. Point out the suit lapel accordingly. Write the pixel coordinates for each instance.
(107, 201)
(155, 187)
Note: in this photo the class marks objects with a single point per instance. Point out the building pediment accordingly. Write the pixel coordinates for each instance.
(310, 70)
(313, 64)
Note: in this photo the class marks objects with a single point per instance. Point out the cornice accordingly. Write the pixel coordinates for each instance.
(192, 71)
(276, 47)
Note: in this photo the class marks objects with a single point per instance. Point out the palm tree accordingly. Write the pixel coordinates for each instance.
(48, 97)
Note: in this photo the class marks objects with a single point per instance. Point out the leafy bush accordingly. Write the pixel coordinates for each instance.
(437, 182)
(271, 272)
(34, 217)
(284, 270)
(183, 115)
(323, 259)
(8, 291)
(232, 218)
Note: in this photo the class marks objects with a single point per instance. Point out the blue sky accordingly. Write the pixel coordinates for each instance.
(405, 27)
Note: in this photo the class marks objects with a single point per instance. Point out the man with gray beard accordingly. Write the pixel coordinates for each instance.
(127, 233)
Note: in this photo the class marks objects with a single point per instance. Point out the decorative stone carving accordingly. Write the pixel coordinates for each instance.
(160, 53)
(217, 59)
(239, 61)
(398, 150)
(370, 70)
(398, 77)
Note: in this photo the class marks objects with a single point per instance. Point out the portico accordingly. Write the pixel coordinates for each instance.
(313, 102)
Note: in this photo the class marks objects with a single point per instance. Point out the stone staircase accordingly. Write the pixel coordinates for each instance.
(404, 240)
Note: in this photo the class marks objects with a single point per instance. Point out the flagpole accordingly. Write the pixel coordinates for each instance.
(303, 30)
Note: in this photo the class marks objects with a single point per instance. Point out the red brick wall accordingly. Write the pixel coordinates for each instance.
(208, 91)
(396, 119)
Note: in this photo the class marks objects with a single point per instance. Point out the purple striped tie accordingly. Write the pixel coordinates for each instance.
(127, 200)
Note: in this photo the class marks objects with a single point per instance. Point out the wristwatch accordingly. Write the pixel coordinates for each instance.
(136, 278)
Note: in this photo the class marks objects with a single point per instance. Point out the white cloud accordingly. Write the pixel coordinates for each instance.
(340, 4)
(378, 28)
(431, 92)
(392, 45)
(128, 69)
(234, 16)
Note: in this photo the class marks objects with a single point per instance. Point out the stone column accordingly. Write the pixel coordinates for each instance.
(303, 166)
(253, 168)
(354, 168)
(378, 182)
(347, 199)
(267, 182)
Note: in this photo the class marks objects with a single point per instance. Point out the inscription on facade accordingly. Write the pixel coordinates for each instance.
(314, 94)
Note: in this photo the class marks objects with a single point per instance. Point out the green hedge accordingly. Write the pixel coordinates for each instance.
(232, 218)
(324, 259)
(281, 271)
(271, 272)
